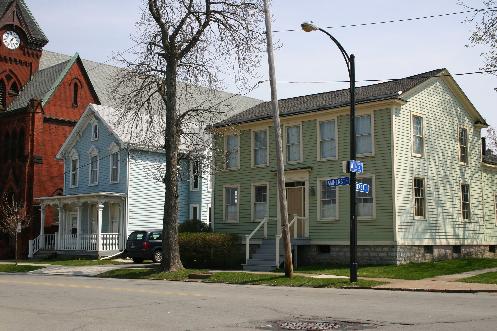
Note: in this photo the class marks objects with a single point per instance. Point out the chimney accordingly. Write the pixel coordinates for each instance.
(483, 146)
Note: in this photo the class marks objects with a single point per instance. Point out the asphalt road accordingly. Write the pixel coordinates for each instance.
(30, 302)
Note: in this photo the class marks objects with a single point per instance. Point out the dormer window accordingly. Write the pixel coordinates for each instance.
(75, 94)
(94, 132)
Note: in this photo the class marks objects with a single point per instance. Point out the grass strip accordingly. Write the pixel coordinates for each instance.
(411, 271)
(486, 278)
(18, 268)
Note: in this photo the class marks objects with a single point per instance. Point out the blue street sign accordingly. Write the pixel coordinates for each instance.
(342, 181)
(356, 166)
(363, 188)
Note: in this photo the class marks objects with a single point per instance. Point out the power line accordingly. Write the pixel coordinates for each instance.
(403, 20)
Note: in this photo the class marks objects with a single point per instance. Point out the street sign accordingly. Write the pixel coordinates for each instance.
(363, 188)
(356, 166)
(342, 181)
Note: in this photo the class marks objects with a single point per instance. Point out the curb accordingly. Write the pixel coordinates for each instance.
(400, 289)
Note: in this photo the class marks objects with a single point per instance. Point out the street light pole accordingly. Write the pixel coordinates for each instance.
(350, 62)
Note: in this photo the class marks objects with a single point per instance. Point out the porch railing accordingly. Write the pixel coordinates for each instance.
(295, 223)
(42, 242)
(249, 236)
(110, 241)
(88, 242)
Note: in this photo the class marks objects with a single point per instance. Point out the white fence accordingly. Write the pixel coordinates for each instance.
(73, 242)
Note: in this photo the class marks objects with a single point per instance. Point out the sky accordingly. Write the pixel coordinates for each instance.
(97, 29)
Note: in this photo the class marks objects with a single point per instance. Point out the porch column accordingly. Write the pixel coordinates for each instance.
(42, 226)
(61, 235)
(78, 227)
(100, 209)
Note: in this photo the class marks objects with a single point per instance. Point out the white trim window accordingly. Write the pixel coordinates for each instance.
(365, 202)
(364, 134)
(195, 212)
(465, 202)
(293, 143)
(328, 199)
(260, 198)
(231, 204)
(418, 140)
(232, 151)
(327, 140)
(194, 175)
(74, 173)
(463, 145)
(114, 167)
(260, 148)
(94, 132)
(94, 167)
(419, 198)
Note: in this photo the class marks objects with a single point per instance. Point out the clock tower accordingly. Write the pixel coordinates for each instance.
(21, 44)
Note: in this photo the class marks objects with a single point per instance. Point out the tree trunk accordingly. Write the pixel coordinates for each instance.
(280, 168)
(170, 245)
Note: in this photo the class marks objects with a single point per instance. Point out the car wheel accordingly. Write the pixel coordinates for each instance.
(157, 258)
(137, 260)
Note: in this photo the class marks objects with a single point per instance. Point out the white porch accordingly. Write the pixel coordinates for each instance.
(89, 224)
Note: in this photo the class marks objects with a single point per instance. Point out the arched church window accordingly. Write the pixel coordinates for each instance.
(75, 94)
(3, 95)
(14, 89)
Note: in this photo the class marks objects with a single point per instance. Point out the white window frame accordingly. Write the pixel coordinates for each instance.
(462, 201)
(224, 204)
(194, 205)
(371, 114)
(285, 151)
(252, 201)
(94, 127)
(93, 153)
(192, 181)
(74, 157)
(373, 177)
(237, 167)
(318, 136)
(421, 218)
(318, 189)
(459, 145)
(413, 141)
(253, 148)
(113, 150)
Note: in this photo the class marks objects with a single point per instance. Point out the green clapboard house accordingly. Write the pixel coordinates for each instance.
(433, 184)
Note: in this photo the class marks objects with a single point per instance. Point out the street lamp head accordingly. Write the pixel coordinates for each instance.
(309, 27)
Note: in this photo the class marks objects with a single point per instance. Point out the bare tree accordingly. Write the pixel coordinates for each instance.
(13, 218)
(167, 94)
(492, 140)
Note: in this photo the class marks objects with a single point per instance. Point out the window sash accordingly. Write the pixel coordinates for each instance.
(327, 201)
(260, 202)
(195, 177)
(463, 145)
(232, 150)
(364, 137)
(260, 147)
(419, 197)
(231, 204)
(114, 174)
(418, 136)
(327, 139)
(74, 172)
(94, 170)
(365, 201)
(293, 143)
(465, 202)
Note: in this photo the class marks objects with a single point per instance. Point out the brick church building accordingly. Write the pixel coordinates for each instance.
(39, 106)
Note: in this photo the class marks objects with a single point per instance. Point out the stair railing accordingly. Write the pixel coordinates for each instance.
(249, 236)
(294, 222)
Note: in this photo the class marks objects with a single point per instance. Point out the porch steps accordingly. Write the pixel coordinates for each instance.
(44, 254)
(264, 258)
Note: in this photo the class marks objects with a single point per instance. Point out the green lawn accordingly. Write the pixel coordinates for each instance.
(486, 278)
(76, 262)
(239, 278)
(18, 268)
(410, 271)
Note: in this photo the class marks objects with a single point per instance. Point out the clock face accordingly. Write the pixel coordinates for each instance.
(11, 40)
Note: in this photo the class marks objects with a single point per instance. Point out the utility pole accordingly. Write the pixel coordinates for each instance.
(280, 167)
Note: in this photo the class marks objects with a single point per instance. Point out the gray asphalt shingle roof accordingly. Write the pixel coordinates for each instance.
(35, 33)
(330, 100)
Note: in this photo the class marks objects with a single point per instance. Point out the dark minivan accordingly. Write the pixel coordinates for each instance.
(145, 245)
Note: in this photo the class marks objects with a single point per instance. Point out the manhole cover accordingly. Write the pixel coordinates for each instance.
(306, 325)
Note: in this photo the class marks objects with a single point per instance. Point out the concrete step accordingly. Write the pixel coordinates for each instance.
(259, 267)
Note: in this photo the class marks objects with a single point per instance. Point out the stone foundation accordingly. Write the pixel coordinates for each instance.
(391, 254)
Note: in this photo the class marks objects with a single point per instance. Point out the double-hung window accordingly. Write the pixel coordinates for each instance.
(327, 140)
(114, 167)
(260, 147)
(74, 172)
(194, 175)
(293, 144)
(231, 204)
(260, 210)
(418, 147)
(232, 151)
(463, 145)
(419, 198)
(94, 132)
(364, 135)
(365, 201)
(327, 201)
(465, 203)
(93, 169)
